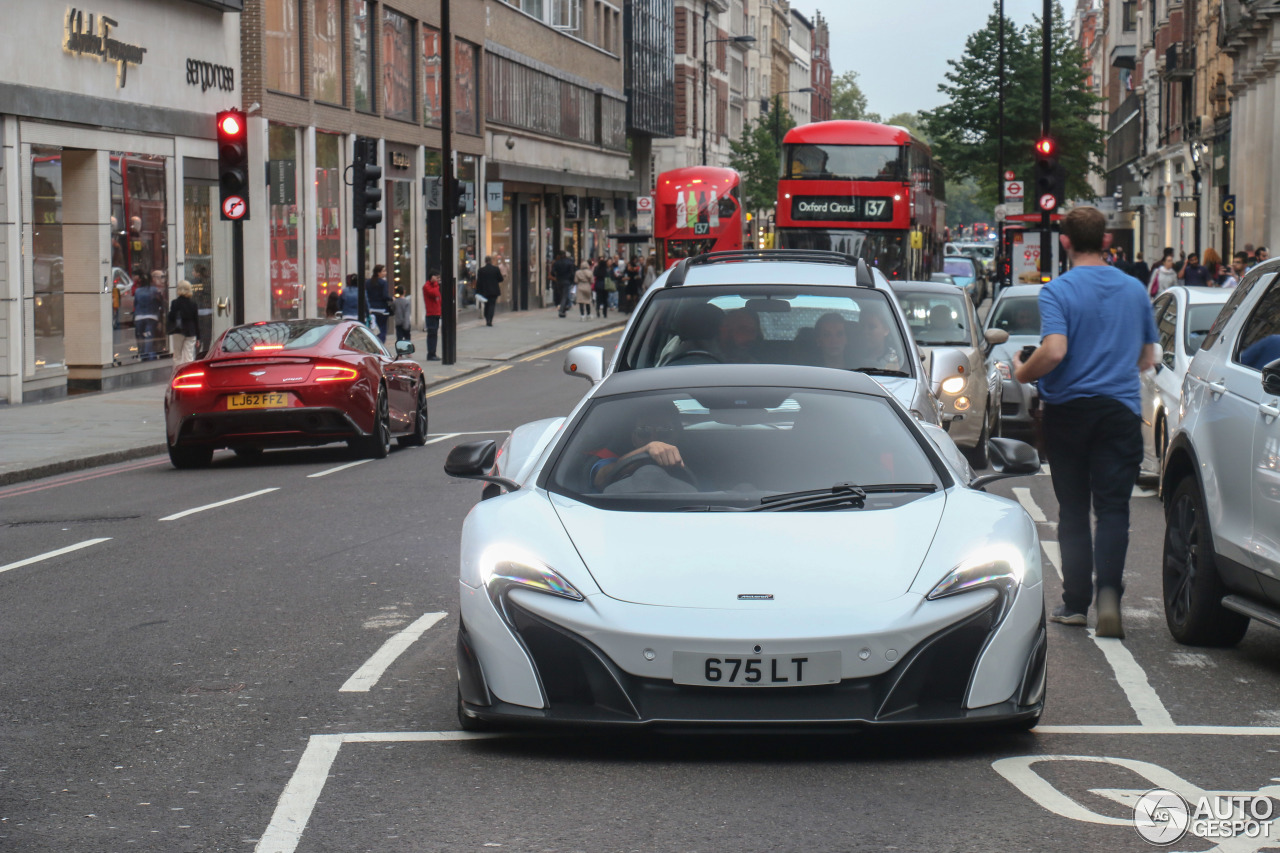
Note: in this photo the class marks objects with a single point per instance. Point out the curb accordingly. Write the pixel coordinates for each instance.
(98, 460)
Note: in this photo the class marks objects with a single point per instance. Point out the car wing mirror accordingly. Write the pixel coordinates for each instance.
(1009, 458)
(946, 363)
(474, 460)
(404, 348)
(585, 361)
(995, 337)
(1271, 378)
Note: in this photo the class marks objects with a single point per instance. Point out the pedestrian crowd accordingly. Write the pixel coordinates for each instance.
(1188, 269)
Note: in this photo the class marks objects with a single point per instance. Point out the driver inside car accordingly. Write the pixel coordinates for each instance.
(653, 436)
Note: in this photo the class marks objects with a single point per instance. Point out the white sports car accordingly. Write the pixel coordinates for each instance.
(617, 579)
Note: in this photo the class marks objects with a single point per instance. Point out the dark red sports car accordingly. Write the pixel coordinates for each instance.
(293, 383)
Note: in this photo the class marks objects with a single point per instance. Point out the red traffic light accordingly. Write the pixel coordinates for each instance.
(1045, 146)
(230, 125)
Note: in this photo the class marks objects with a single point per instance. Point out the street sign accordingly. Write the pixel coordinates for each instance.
(1009, 176)
(493, 197)
(1048, 202)
(1229, 208)
(233, 207)
(644, 204)
(1013, 191)
(1142, 200)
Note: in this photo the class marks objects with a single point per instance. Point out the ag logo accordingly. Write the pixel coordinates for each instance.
(1161, 816)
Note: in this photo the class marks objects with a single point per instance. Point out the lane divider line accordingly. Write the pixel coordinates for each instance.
(1033, 509)
(193, 511)
(51, 554)
(1054, 552)
(445, 437)
(1133, 681)
(367, 676)
(329, 471)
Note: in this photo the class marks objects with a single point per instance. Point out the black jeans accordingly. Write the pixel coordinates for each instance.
(490, 305)
(433, 333)
(1094, 446)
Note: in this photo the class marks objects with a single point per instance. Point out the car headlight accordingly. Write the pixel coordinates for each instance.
(1005, 373)
(1001, 569)
(504, 572)
(953, 385)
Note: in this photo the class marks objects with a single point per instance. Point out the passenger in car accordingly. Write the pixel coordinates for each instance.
(873, 344)
(739, 336)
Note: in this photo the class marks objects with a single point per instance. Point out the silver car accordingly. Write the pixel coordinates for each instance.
(1016, 312)
(939, 315)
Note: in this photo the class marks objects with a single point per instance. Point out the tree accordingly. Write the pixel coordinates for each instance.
(755, 157)
(914, 122)
(847, 100)
(963, 131)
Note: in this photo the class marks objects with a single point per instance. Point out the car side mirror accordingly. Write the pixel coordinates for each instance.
(1271, 378)
(585, 361)
(995, 337)
(1009, 458)
(946, 363)
(404, 348)
(473, 461)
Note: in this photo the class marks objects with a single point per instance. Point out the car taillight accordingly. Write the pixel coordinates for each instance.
(190, 380)
(335, 373)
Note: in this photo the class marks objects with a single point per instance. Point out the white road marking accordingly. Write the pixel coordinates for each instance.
(1029, 504)
(1054, 551)
(339, 468)
(50, 554)
(186, 512)
(444, 437)
(474, 432)
(1133, 681)
(1216, 731)
(367, 676)
(1196, 659)
(1044, 470)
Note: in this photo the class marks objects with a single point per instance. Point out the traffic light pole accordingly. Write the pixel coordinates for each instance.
(1000, 282)
(1046, 44)
(448, 204)
(237, 272)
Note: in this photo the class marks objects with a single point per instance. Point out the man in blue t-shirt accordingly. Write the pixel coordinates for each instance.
(1097, 333)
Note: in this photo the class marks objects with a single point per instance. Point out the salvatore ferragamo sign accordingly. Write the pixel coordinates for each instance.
(90, 35)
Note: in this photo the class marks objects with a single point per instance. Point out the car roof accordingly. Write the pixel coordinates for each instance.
(1021, 290)
(773, 270)
(939, 287)
(720, 375)
(1203, 295)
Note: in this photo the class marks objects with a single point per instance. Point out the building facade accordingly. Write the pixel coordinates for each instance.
(800, 44)
(108, 168)
(820, 100)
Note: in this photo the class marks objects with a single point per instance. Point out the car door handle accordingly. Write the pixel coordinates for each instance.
(1269, 412)
(1217, 389)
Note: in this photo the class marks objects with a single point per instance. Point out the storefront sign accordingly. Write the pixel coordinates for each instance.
(208, 76)
(95, 40)
(400, 160)
(283, 175)
(493, 197)
(571, 207)
(1228, 208)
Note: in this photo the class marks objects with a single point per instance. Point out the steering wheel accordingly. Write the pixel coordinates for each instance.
(697, 353)
(640, 460)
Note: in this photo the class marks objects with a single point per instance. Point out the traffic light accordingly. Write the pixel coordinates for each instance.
(459, 199)
(1051, 176)
(233, 165)
(366, 185)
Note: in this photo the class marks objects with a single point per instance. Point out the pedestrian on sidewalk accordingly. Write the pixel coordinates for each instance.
(1140, 270)
(351, 298)
(599, 276)
(489, 285)
(1237, 271)
(403, 314)
(1213, 267)
(1163, 277)
(1097, 334)
(378, 298)
(583, 280)
(431, 309)
(562, 272)
(1193, 273)
(333, 305)
(184, 325)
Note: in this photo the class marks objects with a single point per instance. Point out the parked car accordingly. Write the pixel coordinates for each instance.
(964, 271)
(940, 316)
(1183, 318)
(615, 578)
(295, 383)
(1221, 480)
(765, 307)
(1016, 312)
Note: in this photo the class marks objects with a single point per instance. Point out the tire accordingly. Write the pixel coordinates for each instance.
(418, 437)
(979, 457)
(471, 724)
(1192, 589)
(185, 458)
(378, 444)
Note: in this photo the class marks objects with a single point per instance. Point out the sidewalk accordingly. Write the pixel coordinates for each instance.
(87, 430)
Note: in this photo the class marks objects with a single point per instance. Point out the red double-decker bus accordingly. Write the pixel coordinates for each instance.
(866, 189)
(696, 210)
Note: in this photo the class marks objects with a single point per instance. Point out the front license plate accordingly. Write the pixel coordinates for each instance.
(793, 670)
(271, 400)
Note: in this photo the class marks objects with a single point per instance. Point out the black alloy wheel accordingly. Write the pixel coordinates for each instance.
(377, 444)
(184, 458)
(1192, 589)
(418, 437)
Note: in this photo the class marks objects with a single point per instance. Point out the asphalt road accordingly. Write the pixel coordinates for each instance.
(223, 681)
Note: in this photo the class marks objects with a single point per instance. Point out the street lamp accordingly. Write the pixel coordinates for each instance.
(705, 42)
(777, 125)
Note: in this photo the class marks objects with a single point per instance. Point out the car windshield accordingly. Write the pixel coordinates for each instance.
(262, 337)
(958, 266)
(1199, 320)
(845, 162)
(844, 327)
(1017, 315)
(937, 319)
(730, 447)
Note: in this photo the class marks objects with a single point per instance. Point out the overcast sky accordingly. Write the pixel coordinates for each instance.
(900, 48)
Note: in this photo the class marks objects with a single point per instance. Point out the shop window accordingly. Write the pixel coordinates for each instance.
(282, 191)
(399, 236)
(326, 48)
(329, 195)
(46, 305)
(362, 55)
(198, 216)
(431, 93)
(466, 88)
(140, 254)
(397, 65)
(283, 35)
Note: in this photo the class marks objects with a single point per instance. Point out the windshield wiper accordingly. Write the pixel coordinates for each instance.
(881, 371)
(837, 495)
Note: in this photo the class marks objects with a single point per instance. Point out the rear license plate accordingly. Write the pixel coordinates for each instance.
(794, 670)
(271, 400)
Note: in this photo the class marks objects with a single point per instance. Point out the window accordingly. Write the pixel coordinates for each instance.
(362, 55)
(397, 65)
(1260, 338)
(139, 204)
(845, 162)
(937, 320)
(326, 47)
(1166, 311)
(466, 94)
(282, 170)
(431, 92)
(46, 306)
(329, 191)
(283, 32)
(566, 14)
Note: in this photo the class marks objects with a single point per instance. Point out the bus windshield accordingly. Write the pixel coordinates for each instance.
(845, 162)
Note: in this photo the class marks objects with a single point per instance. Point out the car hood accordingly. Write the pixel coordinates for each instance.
(706, 560)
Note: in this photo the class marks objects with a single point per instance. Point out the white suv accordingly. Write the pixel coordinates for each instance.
(1221, 478)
